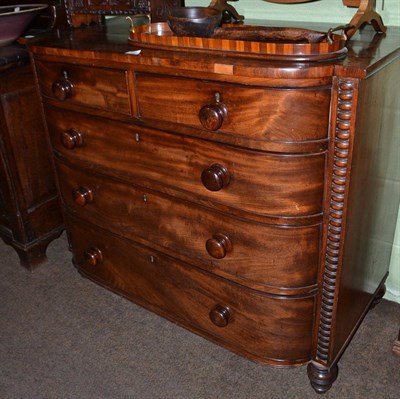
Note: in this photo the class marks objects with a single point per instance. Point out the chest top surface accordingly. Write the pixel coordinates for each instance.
(367, 52)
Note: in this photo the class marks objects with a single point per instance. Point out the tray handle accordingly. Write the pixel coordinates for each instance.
(131, 18)
(343, 28)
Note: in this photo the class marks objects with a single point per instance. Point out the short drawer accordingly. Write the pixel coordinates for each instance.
(200, 170)
(102, 88)
(266, 328)
(276, 258)
(258, 113)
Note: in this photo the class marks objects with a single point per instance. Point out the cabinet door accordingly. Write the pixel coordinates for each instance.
(29, 207)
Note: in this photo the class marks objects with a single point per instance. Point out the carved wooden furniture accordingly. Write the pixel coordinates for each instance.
(366, 14)
(86, 12)
(240, 198)
(229, 12)
(30, 215)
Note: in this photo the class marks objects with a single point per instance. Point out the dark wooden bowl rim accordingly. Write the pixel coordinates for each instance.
(193, 14)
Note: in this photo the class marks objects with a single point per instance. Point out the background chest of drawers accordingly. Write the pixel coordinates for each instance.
(30, 215)
(218, 194)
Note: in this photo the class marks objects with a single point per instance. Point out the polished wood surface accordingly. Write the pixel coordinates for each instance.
(366, 13)
(30, 216)
(375, 186)
(260, 183)
(102, 43)
(106, 89)
(237, 197)
(256, 113)
(251, 251)
(187, 295)
(244, 41)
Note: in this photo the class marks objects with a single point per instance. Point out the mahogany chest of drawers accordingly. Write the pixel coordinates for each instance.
(242, 199)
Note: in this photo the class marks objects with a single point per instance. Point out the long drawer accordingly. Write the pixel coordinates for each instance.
(259, 113)
(101, 88)
(266, 328)
(254, 181)
(272, 258)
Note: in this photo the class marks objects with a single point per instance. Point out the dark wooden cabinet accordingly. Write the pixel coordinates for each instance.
(30, 215)
(87, 12)
(240, 198)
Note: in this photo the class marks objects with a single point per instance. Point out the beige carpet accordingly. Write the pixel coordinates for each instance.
(62, 336)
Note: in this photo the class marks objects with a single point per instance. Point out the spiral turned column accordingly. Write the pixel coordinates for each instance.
(322, 372)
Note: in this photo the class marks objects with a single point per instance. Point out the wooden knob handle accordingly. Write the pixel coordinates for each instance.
(215, 177)
(93, 256)
(82, 196)
(212, 116)
(221, 315)
(63, 88)
(71, 138)
(219, 245)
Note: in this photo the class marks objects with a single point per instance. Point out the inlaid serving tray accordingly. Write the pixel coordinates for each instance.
(159, 36)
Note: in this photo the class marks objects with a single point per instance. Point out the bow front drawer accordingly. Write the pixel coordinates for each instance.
(273, 258)
(242, 319)
(284, 185)
(86, 86)
(256, 113)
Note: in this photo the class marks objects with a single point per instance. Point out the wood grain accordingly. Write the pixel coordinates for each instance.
(187, 295)
(162, 221)
(262, 183)
(254, 225)
(256, 113)
(159, 36)
(106, 89)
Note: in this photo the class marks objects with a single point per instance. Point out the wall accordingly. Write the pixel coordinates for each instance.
(393, 282)
(320, 10)
(326, 11)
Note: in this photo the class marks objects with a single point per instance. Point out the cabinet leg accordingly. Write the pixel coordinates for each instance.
(33, 254)
(32, 257)
(322, 378)
(379, 295)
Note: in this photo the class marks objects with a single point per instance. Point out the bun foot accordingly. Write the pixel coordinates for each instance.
(322, 378)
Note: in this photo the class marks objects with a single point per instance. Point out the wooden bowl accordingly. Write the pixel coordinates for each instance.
(194, 21)
(289, 1)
